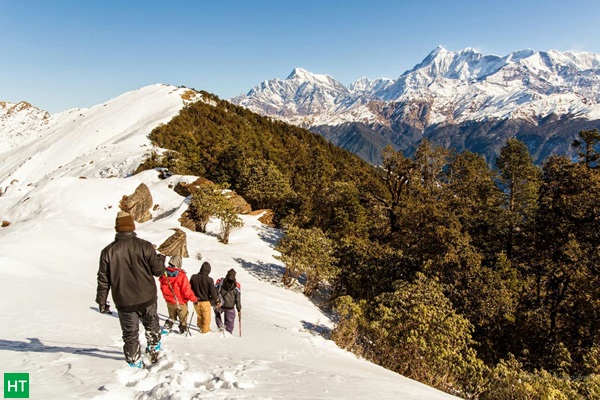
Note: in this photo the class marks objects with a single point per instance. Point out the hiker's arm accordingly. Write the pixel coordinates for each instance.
(103, 280)
(155, 260)
(238, 300)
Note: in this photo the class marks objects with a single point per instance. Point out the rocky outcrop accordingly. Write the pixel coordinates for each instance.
(187, 221)
(138, 204)
(186, 189)
(175, 245)
(266, 217)
(240, 204)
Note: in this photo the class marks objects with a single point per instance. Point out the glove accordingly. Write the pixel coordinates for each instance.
(104, 309)
(239, 314)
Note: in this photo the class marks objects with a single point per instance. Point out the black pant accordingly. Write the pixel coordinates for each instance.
(130, 326)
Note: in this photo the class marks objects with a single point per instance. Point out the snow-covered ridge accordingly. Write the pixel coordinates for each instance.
(459, 85)
(37, 144)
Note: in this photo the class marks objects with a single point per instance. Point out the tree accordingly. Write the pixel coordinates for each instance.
(563, 273)
(263, 185)
(210, 200)
(587, 147)
(341, 212)
(520, 181)
(229, 219)
(430, 163)
(476, 200)
(368, 268)
(397, 171)
(207, 200)
(308, 252)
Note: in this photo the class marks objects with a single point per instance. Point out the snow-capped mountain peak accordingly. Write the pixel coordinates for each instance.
(303, 75)
(18, 123)
(302, 92)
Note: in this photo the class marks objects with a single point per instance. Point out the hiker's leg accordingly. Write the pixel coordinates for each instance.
(151, 324)
(218, 318)
(130, 327)
(229, 320)
(199, 316)
(184, 315)
(205, 309)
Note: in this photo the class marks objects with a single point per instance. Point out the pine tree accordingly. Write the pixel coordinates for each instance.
(520, 181)
(587, 147)
(397, 172)
(475, 198)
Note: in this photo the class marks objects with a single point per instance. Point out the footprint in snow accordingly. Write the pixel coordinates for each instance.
(175, 379)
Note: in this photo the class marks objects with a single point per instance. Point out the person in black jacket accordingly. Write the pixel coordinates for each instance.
(127, 267)
(203, 287)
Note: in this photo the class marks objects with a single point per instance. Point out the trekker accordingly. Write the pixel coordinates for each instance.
(204, 289)
(177, 291)
(231, 297)
(127, 267)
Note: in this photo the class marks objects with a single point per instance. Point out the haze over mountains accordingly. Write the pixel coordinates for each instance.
(461, 99)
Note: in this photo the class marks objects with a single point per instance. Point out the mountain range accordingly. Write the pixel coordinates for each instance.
(459, 99)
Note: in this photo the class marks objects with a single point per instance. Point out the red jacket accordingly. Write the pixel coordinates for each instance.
(180, 284)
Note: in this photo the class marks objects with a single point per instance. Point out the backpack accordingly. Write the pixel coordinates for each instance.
(218, 285)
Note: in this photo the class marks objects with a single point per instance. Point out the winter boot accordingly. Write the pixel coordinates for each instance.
(132, 354)
(154, 351)
(167, 327)
(182, 328)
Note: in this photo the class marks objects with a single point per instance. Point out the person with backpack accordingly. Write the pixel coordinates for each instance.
(177, 291)
(230, 292)
(127, 268)
(203, 287)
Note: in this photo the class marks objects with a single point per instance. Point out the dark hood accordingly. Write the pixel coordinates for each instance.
(205, 269)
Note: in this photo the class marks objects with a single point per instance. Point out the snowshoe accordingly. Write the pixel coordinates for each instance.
(153, 352)
(137, 364)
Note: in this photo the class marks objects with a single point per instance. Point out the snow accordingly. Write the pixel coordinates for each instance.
(61, 210)
(505, 87)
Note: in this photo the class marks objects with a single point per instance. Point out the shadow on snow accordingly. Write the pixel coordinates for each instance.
(35, 345)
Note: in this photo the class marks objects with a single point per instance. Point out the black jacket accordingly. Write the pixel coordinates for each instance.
(203, 285)
(127, 267)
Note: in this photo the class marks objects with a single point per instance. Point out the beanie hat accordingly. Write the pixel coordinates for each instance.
(231, 274)
(176, 261)
(124, 222)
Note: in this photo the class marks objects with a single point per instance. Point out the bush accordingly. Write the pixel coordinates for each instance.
(309, 252)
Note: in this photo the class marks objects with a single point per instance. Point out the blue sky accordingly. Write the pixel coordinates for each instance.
(64, 54)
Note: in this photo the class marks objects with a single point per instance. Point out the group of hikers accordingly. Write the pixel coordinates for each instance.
(127, 268)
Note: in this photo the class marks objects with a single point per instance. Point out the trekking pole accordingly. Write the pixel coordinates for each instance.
(240, 325)
(187, 331)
